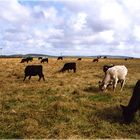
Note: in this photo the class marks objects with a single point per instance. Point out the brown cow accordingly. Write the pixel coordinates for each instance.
(79, 59)
(96, 60)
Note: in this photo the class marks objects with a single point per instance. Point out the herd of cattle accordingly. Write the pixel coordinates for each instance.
(113, 74)
(61, 58)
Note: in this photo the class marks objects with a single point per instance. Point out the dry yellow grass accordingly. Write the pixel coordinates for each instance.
(66, 105)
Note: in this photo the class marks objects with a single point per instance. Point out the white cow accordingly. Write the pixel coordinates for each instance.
(113, 76)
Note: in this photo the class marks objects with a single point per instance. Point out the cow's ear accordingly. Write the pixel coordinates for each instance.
(123, 107)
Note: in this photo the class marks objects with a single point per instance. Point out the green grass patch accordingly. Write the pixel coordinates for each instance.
(100, 97)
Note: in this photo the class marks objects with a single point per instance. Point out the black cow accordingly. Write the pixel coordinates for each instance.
(106, 67)
(69, 66)
(44, 60)
(39, 58)
(79, 59)
(133, 106)
(24, 60)
(33, 70)
(30, 58)
(60, 58)
(27, 59)
(96, 60)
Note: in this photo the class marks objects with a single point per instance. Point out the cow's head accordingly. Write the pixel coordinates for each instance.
(128, 115)
(102, 86)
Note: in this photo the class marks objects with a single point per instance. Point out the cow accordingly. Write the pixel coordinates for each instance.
(126, 59)
(30, 58)
(130, 110)
(96, 60)
(44, 60)
(39, 58)
(69, 66)
(60, 58)
(105, 57)
(27, 59)
(24, 60)
(33, 70)
(79, 59)
(113, 76)
(106, 67)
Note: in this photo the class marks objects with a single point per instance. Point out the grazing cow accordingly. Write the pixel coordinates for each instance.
(27, 59)
(44, 60)
(106, 67)
(105, 57)
(30, 58)
(39, 58)
(130, 110)
(24, 60)
(113, 76)
(33, 70)
(96, 60)
(69, 66)
(60, 58)
(79, 59)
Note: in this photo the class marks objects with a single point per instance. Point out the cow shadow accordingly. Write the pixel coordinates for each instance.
(110, 114)
(91, 89)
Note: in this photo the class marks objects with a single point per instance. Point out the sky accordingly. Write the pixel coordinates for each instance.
(70, 27)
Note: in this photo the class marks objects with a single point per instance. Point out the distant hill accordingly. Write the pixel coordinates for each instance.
(26, 55)
(45, 55)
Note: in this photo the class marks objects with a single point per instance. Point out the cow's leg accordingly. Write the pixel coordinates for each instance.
(115, 84)
(39, 78)
(122, 84)
(24, 78)
(43, 77)
(74, 70)
(29, 77)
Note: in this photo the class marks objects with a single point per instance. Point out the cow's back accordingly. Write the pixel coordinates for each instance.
(33, 69)
(119, 71)
(70, 65)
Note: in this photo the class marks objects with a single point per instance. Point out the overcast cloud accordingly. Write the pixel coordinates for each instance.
(70, 27)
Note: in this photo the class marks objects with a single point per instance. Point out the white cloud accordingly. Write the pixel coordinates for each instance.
(107, 36)
(12, 11)
(137, 32)
(87, 27)
(78, 22)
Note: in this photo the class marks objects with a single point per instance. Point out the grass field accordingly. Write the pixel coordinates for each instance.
(66, 105)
